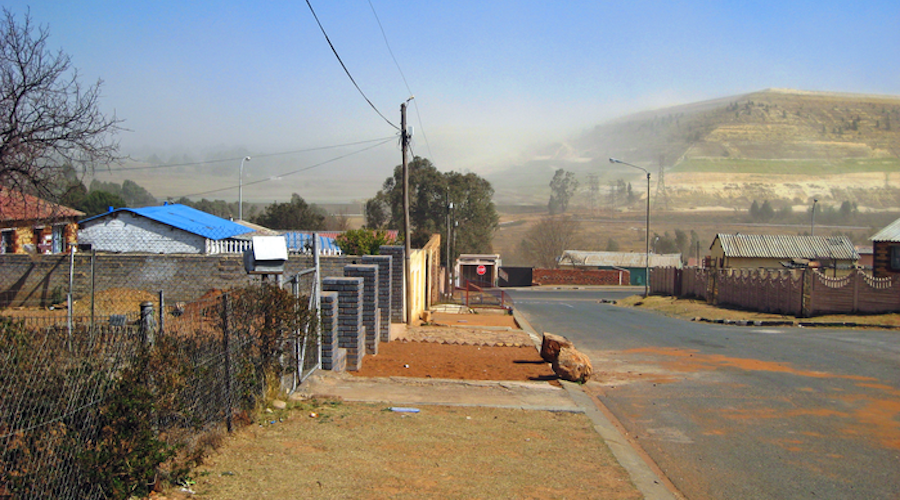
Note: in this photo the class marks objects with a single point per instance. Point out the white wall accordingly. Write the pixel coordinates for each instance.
(127, 232)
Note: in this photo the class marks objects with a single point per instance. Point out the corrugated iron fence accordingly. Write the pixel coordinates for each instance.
(799, 293)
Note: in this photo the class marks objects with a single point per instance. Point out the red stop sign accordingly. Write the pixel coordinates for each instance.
(481, 270)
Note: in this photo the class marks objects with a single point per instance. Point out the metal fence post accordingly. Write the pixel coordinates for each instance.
(227, 359)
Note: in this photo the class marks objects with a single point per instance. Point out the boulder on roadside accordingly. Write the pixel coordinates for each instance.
(572, 365)
(551, 345)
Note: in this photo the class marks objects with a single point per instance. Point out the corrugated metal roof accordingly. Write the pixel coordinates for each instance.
(185, 218)
(787, 247)
(301, 242)
(889, 233)
(618, 259)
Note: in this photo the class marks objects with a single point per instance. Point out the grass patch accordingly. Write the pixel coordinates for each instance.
(330, 449)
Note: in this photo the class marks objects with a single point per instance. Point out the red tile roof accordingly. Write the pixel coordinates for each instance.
(18, 206)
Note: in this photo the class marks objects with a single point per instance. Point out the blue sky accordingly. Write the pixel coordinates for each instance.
(492, 80)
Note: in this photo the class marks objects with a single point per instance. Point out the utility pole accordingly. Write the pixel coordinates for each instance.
(404, 144)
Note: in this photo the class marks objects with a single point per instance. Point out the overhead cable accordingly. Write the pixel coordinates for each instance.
(285, 174)
(415, 103)
(256, 155)
(345, 67)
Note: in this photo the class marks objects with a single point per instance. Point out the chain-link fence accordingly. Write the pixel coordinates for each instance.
(103, 406)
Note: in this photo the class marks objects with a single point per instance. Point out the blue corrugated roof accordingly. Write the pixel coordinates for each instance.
(185, 218)
(301, 242)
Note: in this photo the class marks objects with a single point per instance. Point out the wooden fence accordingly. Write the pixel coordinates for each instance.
(800, 293)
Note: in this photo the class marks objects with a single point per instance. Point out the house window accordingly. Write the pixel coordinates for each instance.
(895, 258)
(6, 241)
(59, 238)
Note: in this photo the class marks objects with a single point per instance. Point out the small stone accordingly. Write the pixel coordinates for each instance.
(278, 404)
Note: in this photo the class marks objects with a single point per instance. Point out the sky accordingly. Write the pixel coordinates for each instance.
(492, 81)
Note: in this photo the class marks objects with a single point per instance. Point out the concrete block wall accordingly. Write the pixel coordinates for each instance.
(350, 329)
(398, 307)
(333, 357)
(384, 263)
(130, 232)
(369, 274)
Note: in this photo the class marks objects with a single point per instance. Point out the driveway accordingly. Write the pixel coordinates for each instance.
(740, 412)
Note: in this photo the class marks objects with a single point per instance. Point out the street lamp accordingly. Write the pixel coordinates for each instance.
(647, 254)
(812, 223)
(241, 190)
(449, 274)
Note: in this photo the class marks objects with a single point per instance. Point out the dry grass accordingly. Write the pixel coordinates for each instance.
(366, 451)
(690, 308)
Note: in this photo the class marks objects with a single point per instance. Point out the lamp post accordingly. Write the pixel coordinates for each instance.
(449, 274)
(241, 189)
(647, 254)
(812, 223)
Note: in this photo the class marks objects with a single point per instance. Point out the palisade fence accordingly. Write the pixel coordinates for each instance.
(104, 405)
(801, 293)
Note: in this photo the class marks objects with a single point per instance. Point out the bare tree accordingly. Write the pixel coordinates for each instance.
(49, 122)
(546, 241)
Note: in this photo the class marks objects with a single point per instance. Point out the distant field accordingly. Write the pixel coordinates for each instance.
(796, 167)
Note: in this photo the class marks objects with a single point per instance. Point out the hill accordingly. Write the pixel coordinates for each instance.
(787, 146)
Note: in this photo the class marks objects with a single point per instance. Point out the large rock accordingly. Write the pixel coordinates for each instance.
(572, 365)
(551, 345)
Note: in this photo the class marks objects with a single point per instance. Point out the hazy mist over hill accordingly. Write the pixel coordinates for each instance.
(770, 133)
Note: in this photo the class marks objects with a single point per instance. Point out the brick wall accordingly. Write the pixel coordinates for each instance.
(370, 311)
(398, 306)
(129, 232)
(351, 332)
(580, 277)
(333, 357)
(384, 292)
(881, 259)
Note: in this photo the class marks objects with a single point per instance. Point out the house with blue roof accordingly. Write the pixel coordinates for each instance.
(167, 228)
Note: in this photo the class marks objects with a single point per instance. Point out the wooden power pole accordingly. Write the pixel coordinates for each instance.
(404, 144)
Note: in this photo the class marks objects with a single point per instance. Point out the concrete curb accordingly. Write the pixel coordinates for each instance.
(645, 479)
(792, 323)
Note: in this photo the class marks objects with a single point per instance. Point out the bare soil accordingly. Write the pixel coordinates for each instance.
(323, 448)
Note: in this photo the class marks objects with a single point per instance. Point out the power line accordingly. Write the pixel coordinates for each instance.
(345, 67)
(261, 155)
(415, 103)
(285, 174)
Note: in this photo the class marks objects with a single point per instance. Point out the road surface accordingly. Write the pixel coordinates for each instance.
(733, 412)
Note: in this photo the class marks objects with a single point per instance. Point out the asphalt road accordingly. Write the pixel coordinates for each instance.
(733, 412)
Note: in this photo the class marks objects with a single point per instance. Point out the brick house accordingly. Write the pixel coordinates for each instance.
(167, 229)
(29, 224)
(886, 251)
(634, 263)
(762, 251)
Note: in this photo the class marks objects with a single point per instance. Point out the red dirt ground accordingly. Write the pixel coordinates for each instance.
(460, 349)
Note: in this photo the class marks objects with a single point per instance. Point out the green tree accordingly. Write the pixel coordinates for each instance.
(562, 188)
(136, 196)
(99, 202)
(430, 195)
(363, 241)
(296, 214)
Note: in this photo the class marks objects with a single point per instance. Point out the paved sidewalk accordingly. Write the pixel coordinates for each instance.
(403, 391)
